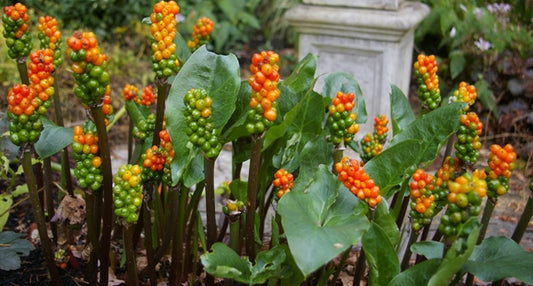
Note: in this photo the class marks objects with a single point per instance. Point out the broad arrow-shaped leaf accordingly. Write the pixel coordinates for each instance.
(320, 222)
(382, 259)
(401, 111)
(53, 138)
(498, 257)
(219, 76)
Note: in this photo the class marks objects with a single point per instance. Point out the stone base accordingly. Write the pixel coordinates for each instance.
(375, 46)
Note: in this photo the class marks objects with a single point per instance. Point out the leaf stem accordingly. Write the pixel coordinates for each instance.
(107, 190)
(131, 265)
(523, 222)
(39, 216)
(23, 70)
(209, 168)
(163, 87)
(253, 175)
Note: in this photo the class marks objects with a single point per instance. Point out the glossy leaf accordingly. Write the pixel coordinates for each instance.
(13, 246)
(401, 111)
(219, 76)
(225, 263)
(381, 256)
(454, 260)
(341, 81)
(302, 77)
(386, 221)
(6, 200)
(429, 249)
(388, 168)
(321, 218)
(499, 257)
(418, 274)
(53, 138)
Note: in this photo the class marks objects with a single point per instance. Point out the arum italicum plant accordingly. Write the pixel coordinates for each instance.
(322, 205)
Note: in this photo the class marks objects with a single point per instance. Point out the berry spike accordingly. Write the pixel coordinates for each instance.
(355, 179)
(425, 69)
(200, 33)
(163, 29)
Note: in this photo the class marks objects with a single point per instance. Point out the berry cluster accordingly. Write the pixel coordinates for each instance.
(380, 127)
(428, 81)
(445, 173)
(153, 163)
(16, 23)
(163, 29)
(200, 126)
(372, 144)
(422, 199)
(283, 182)
(40, 69)
(50, 37)
(127, 193)
(89, 66)
(200, 33)
(233, 208)
(501, 163)
(466, 93)
(147, 98)
(85, 152)
(107, 108)
(354, 177)
(24, 125)
(464, 200)
(265, 92)
(168, 154)
(341, 120)
(468, 144)
(144, 128)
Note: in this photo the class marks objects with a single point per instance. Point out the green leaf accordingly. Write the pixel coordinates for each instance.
(182, 52)
(219, 76)
(136, 112)
(401, 111)
(430, 249)
(387, 222)
(382, 259)
(313, 154)
(454, 260)
(418, 274)
(15, 247)
(486, 97)
(235, 127)
(499, 257)
(303, 75)
(6, 200)
(457, 63)
(341, 81)
(53, 138)
(321, 218)
(433, 129)
(389, 168)
(301, 125)
(239, 189)
(225, 263)
(20, 190)
(419, 143)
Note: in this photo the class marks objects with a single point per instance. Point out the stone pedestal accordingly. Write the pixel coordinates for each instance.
(370, 39)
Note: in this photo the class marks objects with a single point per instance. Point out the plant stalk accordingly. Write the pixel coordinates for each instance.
(485, 219)
(148, 243)
(523, 222)
(65, 161)
(337, 155)
(39, 217)
(163, 87)
(23, 71)
(407, 254)
(176, 276)
(107, 190)
(253, 175)
(47, 168)
(131, 265)
(209, 170)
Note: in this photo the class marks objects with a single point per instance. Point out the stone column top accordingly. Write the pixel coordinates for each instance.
(373, 4)
(385, 25)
